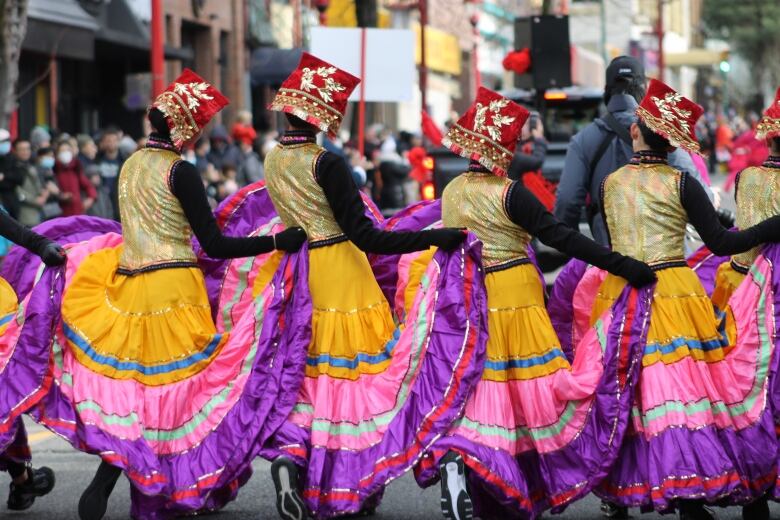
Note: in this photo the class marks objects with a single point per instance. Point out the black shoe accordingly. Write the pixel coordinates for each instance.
(695, 510)
(610, 510)
(39, 482)
(455, 499)
(288, 500)
(756, 510)
(94, 500)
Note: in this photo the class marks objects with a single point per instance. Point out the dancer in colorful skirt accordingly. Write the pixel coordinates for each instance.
(375, 394)
(20, 389)
(702, 429)
(143, 378)
(538, 431)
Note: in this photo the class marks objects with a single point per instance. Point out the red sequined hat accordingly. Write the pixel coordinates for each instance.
(316, 92)
(488, 131)
(769, 126)
(669, 114)
(189, 103)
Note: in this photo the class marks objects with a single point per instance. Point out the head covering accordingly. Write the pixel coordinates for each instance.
(488, 131)
(625, 67)
(316, 92)
(769, 126)
(189, 103)
(671, 115)
(244, 133)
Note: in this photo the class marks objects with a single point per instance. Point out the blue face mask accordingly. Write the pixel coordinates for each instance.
(5, 147)
(47, 162)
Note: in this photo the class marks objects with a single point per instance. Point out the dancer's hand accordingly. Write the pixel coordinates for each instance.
(638, 273)
(53, 254)
(447, 238)
(290, 240)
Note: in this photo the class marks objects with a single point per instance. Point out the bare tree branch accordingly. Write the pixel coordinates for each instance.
(13, 23)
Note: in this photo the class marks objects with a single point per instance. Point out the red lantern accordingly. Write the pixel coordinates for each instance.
(518, 61)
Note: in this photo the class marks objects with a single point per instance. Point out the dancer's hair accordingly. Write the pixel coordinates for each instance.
(656, 142)
(299, 124)
(159, 123)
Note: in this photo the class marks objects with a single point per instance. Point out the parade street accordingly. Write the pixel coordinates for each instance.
(403, 498)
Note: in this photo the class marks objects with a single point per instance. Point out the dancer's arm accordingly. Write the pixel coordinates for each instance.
(50, 252)
(348, 208)
(187, 186)
(716, 237)
(526, 211)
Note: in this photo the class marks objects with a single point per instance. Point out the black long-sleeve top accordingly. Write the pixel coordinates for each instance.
(335, 177)
(525, 210)
(18, 234)
(721, 241)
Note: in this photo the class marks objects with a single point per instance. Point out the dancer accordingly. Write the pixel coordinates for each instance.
(374, 394)
(143, 377)
(701, 430)
(27, 483)
(538, 431)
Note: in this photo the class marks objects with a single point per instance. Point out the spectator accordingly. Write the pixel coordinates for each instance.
(532, 149)
(127, 146)
(44, 163)
(202, 149)
(11, 177)
(32, 194)
(87, 150)
(598, 149)
(394, 173)
(250, 167)
(109, 161)
(40, 138)
(71, 179)
(229, 183)
(102, 206)
(222, 151)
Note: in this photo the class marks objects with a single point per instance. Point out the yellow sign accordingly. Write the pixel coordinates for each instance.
(341, 13)
(442, 50)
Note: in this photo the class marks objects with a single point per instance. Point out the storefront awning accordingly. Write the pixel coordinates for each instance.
(271, 66)
(60, 28)
(695, 58)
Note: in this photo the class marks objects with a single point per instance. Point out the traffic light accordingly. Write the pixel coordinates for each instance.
(725, 66)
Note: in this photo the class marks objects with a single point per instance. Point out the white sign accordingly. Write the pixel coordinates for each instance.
(390, 68)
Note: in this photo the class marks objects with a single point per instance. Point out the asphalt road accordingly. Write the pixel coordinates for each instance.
(403, 499)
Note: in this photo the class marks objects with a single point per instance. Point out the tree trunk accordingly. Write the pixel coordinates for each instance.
(547, 7)
(13, 23)
(366, 13)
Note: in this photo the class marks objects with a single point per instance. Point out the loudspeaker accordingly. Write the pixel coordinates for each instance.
(548, 39)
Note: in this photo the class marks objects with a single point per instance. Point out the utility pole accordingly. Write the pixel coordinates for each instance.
(603, 22)
(157, 55)
(660, 35)
(423, 65)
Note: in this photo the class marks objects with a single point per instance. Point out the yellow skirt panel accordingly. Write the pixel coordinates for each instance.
(9, 304)
(154, 327)
(683, 319)
(521, 343)
(353, 331)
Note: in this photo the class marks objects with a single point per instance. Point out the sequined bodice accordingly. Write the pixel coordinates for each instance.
(155, 231)
(476, 201)
(644, 213)
(758, 198)
(297, 197)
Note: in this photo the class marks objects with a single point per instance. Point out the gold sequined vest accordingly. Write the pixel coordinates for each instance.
(155, 231)
(476, 201)
(644, 214)
(758, 198)
(297, 197)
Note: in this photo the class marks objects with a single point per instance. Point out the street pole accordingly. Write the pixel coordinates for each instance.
(603, 20)
(423, 65)
(157, 55)
(296, 9)
(362, 103)
(660, 34)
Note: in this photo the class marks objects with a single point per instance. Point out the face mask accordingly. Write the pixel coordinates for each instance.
(5, 147)
(65, 157)
(47, 162)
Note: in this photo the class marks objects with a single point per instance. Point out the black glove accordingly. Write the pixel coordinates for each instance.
(53, 254)
(290, 240)
(447, 238)
(637, 273)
